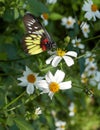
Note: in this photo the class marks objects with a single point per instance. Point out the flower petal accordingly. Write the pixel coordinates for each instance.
(72, 53)
(59, 76)
(23, 84)
(65, 85)
(50, 59)
(30, 89)
(69, 61)
(49, 77)
(51, 95)
(42, 84)
(56, 61)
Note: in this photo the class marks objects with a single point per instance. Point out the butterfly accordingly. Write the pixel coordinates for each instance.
(37, 38)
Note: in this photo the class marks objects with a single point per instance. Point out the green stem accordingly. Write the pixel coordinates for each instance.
(13, 101)
(29, 99)
(91, 39)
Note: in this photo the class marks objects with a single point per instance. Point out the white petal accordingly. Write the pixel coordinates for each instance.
(88, 15)
(69, 61)
(81, 46)
(65, 85)
(23, 79)
(97, 14)
(51, 95)
(72, 53)
(23, 84)
(56, 61)
(59, 76)
(49, 77)
(42, 84)
(98, 86)
(50, 59)
(30, 89)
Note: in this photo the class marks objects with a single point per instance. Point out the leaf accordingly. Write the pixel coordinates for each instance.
(3, 56)
(22, 124)
(82, 65)
(16, 13)
(55, 16)
(36, 7)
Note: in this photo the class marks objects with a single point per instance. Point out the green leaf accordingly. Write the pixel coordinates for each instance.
(16, 13)
(36, 7)
(55, 16)
(22, 124)
(3, 56)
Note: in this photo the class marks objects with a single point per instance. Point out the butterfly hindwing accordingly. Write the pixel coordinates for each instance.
(31, 44)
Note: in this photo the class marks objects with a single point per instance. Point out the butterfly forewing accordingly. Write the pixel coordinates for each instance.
(37, 39)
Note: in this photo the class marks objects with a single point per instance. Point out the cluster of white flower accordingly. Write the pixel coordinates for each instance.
(77, 43)
(50, 85)
(68, 22)
(91, 74)
(92, 12)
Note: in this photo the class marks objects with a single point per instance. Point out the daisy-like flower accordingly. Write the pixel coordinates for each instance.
(85, 29)
(29, 80)
(77, 43)
(59, 54)
(72, 109)
(38, 111)
(51, 1)
(91, 10)
(84, 78)
(53, 84)
(95, 81)
(44, 16)
(90, 58)
(91, 69)
(60, 125)
(68, 22)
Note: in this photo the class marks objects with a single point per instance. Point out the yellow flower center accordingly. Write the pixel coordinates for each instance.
(77, 43)
(69, 22)
(31, 78)
(94, 7)
(45, 16)
(54, 87)
(84, 80)
(62, 126)
(85, 29)
(91, 58)
(60, 52)
(92, 68)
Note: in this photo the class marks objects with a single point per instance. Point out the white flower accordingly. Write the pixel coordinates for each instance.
(38, 111)
(68, 22)
(85, 29)
(51, 1)
(44, 16)
(91, 10)
(59, 55)
(77, 43)
(84, 78)
(96, 80)
(72, 109)
(60, 125)
(53, 84)
(91, 69)
(29, 80)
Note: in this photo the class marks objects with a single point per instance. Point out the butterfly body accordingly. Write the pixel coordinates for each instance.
(37, 38)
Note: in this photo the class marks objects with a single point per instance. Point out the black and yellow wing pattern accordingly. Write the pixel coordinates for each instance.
(37, 38)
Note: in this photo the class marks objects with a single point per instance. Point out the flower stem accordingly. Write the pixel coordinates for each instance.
(13, 101)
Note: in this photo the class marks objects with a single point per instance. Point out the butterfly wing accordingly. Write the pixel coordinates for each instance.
(31, 44)
(37, 40)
